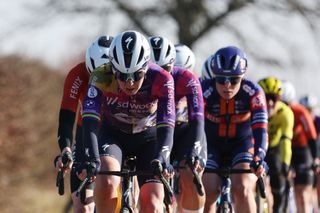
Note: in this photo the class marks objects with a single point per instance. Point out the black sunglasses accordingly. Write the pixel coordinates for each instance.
(136, 76)
(167, 67)
(225, 79)
(272, 97)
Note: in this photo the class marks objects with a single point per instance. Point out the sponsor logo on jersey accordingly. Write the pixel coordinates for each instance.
(170, 104)
(248, 89)
(89, 103)
(75, 87)
(92, 92)
(194, 88)
(258, 101)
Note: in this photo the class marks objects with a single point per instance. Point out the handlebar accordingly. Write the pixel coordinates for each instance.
(196, 178)
(66, 159)
(225, 172)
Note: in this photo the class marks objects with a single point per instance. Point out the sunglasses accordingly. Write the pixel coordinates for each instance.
(225, 79)
(272, 97)
(136, 76)
(167, 67)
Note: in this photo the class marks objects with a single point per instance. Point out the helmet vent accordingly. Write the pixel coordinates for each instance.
(115, 55)
(127, 59)
(92, 63)
(141, 55)
(168, 51)
(105, 56)
(104, 41)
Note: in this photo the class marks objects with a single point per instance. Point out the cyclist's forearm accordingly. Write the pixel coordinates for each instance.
(165, 141)
(260, 142)
(195, 135)
(285, 150)
(313, 148)
(65, 129)
(90, 139)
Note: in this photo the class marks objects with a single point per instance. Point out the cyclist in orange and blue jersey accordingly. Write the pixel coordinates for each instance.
(236, 121)
(74, 91)
(189, 137)
(128, 110)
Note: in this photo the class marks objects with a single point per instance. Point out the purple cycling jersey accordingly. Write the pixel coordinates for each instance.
(152, 105)
(188, 95)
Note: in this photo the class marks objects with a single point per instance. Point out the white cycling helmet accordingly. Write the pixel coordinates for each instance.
(184, 57)
(162, 50)
(129, 52)
(288, 92)
(206, 71)
(310, 101)
(98, 53)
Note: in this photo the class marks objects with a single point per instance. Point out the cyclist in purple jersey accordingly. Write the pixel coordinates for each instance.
(185, 58)
(236, 122)
(189, 138)
(131, 103)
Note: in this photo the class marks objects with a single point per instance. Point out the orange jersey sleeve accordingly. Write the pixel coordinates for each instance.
(304, 128)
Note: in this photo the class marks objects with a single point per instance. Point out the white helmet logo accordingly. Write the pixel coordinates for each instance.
(156, 40)
(128, 41)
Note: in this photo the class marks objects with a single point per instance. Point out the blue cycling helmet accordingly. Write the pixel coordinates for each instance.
(229, 61)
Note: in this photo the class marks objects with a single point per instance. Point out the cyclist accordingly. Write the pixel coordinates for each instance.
(130, 103)
(304, 150)
(310, 101)
(235, 114)
(75, 87)
(206, 71)
(185, 58)
(189, 140)
(280, 129)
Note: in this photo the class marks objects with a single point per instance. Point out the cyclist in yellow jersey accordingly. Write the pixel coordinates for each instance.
(280, 129)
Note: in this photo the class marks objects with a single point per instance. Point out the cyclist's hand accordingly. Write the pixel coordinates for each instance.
(316, 166)
(196, 163)
(162, 167)
(64, 161)
(259, 167)
(87, 170)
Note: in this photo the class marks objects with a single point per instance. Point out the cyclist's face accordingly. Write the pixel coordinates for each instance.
(271, 103)
(130, 87)
(228, 89)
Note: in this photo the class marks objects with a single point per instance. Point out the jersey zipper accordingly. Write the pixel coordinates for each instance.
(227, 117)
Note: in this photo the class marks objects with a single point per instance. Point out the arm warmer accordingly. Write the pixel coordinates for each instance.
(165, 142)
(90, 139)
(195, 135)
(65, 129)
(313, 145)
(260, 142)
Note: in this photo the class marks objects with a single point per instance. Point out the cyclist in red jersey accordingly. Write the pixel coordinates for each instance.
(304, 150)
(128, 110)
(74, 91)
(235, 115)
(189, 138)
(310, 102)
